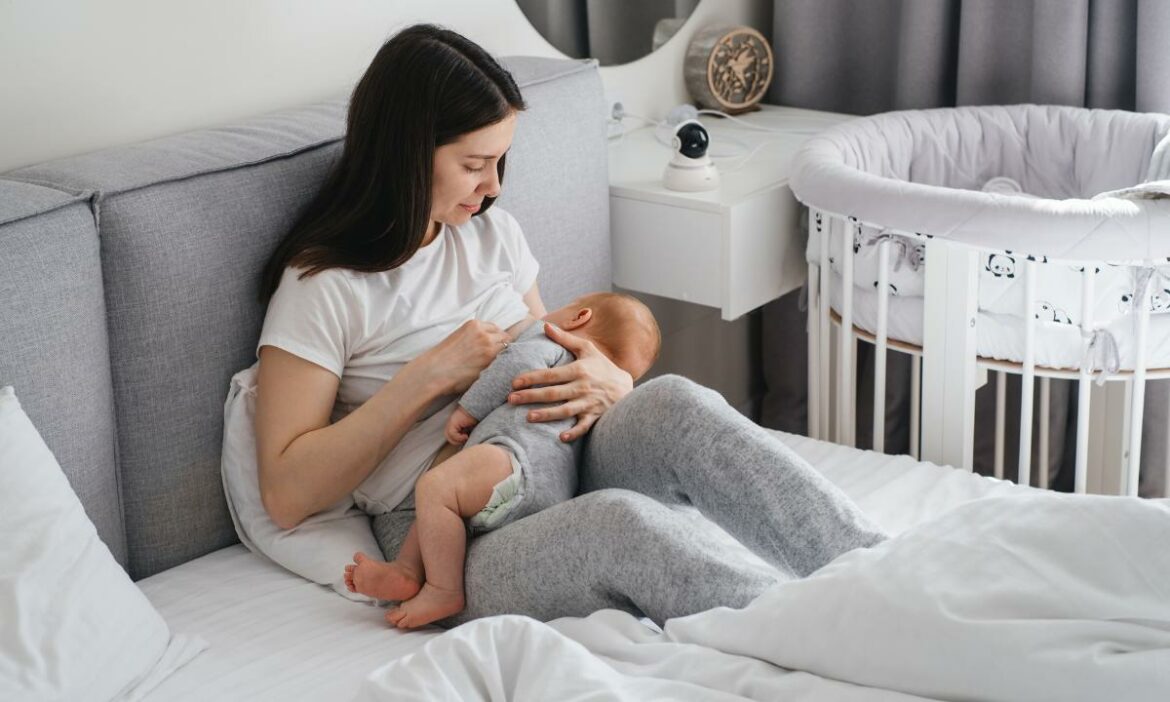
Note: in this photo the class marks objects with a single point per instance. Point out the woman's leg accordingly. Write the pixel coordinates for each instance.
(682, 443)
(610, 549)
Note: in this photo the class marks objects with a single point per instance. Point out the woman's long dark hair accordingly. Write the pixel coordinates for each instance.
(426, 87)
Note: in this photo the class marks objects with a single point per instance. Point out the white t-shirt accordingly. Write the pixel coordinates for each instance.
(364, 327)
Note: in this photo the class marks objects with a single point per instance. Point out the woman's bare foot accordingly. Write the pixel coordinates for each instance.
(385, 581)
(429, 605)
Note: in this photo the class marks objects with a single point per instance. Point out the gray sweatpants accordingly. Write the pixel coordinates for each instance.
(621, 545)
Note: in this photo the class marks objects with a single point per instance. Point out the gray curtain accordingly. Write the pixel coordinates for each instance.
(611, 31)
(870, 56)
(867, 56)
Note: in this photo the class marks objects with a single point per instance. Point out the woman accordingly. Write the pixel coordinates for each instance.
(382, 310)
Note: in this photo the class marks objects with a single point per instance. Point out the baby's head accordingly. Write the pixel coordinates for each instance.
(620, 326)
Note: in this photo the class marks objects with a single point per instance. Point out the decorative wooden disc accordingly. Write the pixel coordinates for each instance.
(728, 68)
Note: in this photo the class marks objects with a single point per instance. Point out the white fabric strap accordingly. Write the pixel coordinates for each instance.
(1101, 354)
(907, 252)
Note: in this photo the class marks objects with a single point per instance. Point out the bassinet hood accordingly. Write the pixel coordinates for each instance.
(920, 171)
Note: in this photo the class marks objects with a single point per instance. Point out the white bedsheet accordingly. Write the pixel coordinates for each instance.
(275, 636)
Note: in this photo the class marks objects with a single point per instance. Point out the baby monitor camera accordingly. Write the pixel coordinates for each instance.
(690, 168)
(691, 140)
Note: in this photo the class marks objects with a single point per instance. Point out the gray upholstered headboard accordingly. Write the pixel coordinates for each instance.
(128, 282)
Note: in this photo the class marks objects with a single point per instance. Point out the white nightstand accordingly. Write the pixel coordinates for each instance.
(734, 248)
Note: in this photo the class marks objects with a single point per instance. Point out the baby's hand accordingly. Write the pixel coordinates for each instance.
(459, 426)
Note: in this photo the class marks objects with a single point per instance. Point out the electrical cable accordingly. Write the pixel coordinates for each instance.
(680, 113)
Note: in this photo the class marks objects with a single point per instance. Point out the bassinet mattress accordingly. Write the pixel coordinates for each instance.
(275, 636)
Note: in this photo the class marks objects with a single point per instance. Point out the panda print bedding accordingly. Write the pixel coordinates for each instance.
(1057, 309)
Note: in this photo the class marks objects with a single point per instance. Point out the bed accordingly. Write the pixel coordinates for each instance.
(275, 636)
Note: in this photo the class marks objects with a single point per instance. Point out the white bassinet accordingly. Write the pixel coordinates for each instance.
(1027, 239)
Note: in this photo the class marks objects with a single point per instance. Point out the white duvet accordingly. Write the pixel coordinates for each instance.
(1024, 597)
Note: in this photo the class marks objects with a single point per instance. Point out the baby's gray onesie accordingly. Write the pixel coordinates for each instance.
(545, 467)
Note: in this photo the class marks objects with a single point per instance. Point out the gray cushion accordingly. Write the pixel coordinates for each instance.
(186, 224)
(557, 181)
(187, 155)
(23, 200)
(53, 347)
(182, 262)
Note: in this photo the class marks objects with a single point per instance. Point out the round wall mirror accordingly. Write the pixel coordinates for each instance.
(611, 32)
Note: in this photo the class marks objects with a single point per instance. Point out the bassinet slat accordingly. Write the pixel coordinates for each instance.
(813, 408)
(845, 365)
(1045, 400)
(1084, 386)
(915, 405)
(1024, 476)
(1000, 419)
(825, 228)
(1134, 462)
(879, 358)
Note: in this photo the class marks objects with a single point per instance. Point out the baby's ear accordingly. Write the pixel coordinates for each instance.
(580, 319)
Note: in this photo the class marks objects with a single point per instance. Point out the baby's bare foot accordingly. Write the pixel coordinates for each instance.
(385, 581)
(429, 605)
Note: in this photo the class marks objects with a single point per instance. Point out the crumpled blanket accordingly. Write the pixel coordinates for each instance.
(1012, 599)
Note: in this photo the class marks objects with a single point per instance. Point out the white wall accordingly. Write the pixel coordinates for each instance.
(78, 75)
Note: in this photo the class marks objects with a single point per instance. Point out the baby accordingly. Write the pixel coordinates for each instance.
(510, 467)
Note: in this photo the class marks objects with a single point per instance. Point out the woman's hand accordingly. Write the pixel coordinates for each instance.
(586, 388)
(455, 362)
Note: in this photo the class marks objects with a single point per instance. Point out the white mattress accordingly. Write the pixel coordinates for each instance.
(275, 636)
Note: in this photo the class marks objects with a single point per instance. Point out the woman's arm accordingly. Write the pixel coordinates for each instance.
(535, 304)
(586, 388)
(307, 464)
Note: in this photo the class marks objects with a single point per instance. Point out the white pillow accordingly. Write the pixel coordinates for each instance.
(318, 548)
(72, 624)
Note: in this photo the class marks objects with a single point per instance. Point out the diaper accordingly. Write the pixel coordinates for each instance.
(505, 497)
